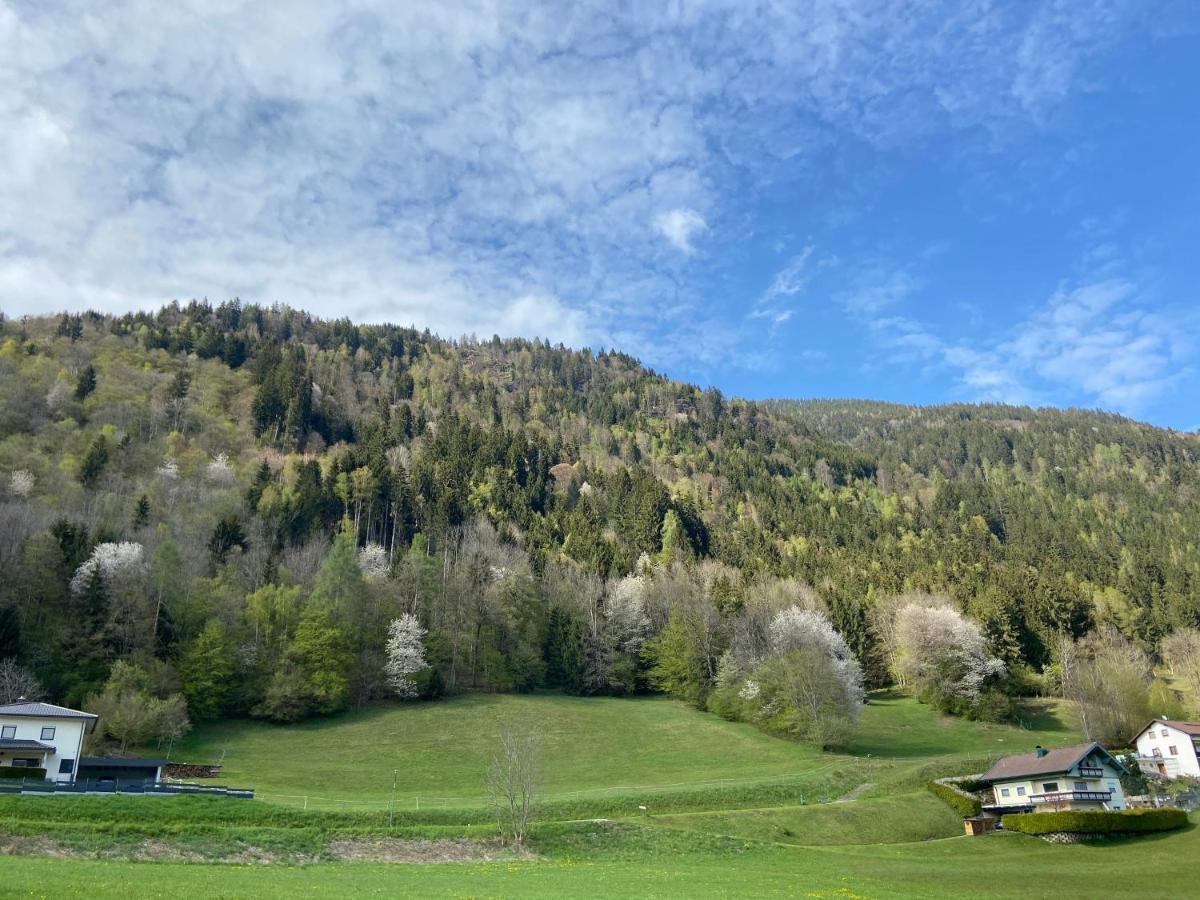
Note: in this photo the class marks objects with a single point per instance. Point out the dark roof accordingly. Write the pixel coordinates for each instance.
(43, 711)
(1192, 728)
(23, 745)
(122, 762)
(1053, 762)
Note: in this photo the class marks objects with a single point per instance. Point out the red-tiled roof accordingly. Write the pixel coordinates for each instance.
(1192, 728)
(1060, 759)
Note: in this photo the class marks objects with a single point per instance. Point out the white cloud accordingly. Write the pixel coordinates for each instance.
(488, 165)
(1099, 343)
(679, 226)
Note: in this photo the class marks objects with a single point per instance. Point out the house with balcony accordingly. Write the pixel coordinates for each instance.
(1169, 748)
(1083, 776)
(45, 739)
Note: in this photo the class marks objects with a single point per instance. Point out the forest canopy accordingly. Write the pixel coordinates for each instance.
(254, 511)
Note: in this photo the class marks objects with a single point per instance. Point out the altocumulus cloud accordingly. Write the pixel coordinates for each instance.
(474, 167)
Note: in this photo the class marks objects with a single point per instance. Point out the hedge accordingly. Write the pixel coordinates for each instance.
(958, 801)
(1095, 822)
(30, 772)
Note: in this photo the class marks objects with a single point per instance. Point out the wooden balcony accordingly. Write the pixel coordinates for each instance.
(1090, 772)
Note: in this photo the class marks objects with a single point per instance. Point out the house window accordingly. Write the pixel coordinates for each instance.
(1081, 786)
(1020, 792)
(1165, 733)
(1049, 786)
(66, 766)
(1174, 751)
(1003, 792)
(26, 763)
(8, 732)
(1156, 751)
(48, 733)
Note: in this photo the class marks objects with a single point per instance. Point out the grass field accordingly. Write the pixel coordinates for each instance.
(592, 748)
(731, 812)
(999, 866)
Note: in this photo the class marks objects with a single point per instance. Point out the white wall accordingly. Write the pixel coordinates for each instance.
(1152, 739)
(67, 742)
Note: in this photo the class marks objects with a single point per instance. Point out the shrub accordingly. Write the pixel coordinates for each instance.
(1080, 822)
(31, 772)
(957, 800)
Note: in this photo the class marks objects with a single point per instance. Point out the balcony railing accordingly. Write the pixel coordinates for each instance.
(1090, 772)
(1073, 796)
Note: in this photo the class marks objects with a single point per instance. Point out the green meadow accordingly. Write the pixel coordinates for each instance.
(729, 811)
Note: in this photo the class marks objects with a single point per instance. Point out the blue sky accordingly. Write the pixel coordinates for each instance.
(920, 202)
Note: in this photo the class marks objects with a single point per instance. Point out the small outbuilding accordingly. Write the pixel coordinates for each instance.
(132, 770)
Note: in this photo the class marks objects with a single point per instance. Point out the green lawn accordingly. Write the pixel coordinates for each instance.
(997, 866)
(441, 750)
(899, 819)
(591, 747)
(732, 811)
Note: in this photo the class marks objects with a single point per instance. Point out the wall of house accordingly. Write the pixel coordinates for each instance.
(1110, 782)
(67, 743)
(1153, 739)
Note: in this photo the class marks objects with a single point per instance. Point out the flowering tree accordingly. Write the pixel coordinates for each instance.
(807, 684)
(625, 607)
(20, 483)
(405, 655)
(942, 655)
(798, 629)
(373, 561)
(219, 470)
(109, 561)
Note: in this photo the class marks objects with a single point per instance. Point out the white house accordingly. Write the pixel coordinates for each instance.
(43, 736)
(1085, 776)
(1170, 748)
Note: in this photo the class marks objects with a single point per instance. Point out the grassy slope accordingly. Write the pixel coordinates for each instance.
(591, 747)
(594, 745)
(441, 749)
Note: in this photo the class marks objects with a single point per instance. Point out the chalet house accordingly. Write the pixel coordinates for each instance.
(1169, 748)
(43, 737)
(1085, 776)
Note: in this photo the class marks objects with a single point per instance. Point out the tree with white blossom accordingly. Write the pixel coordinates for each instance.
(405, 655)
(20, 483)
(109, 561)
(943, 657)
(796, 629)
(219, 469)
(807, 684)
(373, 562)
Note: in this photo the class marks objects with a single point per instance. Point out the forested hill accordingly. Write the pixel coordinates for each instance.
(502, 489)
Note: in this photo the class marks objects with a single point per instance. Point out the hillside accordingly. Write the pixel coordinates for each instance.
(283, 487)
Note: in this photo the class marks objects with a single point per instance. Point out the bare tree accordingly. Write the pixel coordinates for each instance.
(1181, 650)
(17, 682)
(514, 780)
(1108, 679)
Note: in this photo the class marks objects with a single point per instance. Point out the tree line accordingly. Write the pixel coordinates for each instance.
(239, 504)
